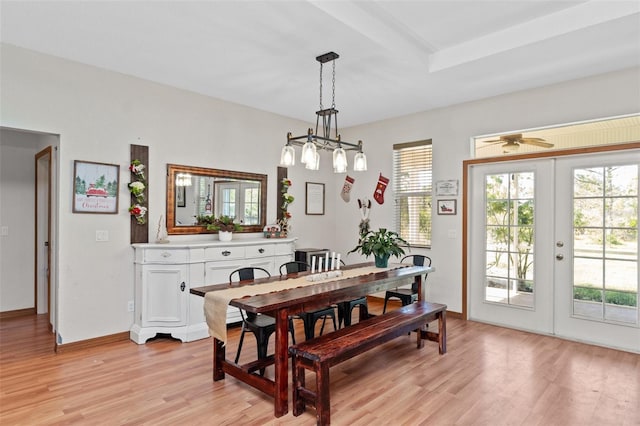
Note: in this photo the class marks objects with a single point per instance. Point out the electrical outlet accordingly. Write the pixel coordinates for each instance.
(131, 306)
(102, 235)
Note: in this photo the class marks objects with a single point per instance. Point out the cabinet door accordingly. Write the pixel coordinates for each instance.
(164, 295)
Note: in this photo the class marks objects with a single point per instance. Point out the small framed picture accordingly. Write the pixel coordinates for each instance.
(95, 187)
(447, 207)
(314, 198)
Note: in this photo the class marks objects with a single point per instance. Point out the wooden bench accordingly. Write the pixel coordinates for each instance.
(321, 353)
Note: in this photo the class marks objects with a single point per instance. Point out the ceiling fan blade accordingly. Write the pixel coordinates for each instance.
(493, 141)
(537, 142)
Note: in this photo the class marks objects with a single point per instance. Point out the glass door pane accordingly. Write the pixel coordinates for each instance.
(605, 243)
(510, 238)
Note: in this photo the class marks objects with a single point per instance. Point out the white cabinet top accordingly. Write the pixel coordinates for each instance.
(214, 243)
(189, 252)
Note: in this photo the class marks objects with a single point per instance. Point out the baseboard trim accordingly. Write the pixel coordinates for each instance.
(92, 343)
(17, 313)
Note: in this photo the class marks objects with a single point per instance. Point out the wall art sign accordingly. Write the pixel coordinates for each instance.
(95, 187)
(314, 199)
(447, 188)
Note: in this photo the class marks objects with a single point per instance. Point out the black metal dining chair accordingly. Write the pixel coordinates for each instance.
(262, 326)
(309, 318)
(345, 309)
(408, 295)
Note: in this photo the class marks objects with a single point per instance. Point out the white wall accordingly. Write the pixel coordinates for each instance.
(17, 207)
(451, 129)
(98, 114)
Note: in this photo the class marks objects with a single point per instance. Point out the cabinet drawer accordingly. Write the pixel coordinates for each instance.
(284, 249)
(224, 253)
(259, 251)
(165, 256)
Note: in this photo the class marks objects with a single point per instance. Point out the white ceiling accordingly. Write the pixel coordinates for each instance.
(396, 57)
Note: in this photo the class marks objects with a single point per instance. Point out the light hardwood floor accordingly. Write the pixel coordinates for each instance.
(490, 376)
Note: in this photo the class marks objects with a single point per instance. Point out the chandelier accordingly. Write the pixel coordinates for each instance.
(183, 179)
(313, 142)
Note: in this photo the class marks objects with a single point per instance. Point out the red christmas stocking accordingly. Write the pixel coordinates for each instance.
(378, 194)
(346, 188)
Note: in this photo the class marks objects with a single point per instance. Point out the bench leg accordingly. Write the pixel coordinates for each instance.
(297, 378)
(323, 400)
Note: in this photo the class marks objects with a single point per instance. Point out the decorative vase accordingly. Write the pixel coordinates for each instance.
(382, 261)
(225, 235)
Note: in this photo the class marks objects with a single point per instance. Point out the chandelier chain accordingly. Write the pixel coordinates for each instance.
(333, 82)
(321, 108)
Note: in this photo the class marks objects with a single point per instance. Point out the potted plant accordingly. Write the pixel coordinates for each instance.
(225, 227)
(381, 244)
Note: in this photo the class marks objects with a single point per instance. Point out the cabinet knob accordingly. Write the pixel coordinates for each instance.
(182, 286)
(226, 253)
(261, 250)
(165, 254)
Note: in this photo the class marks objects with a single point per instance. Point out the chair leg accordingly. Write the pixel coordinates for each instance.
(324, 320)
(240, 344)
(334, 323)
(384, 308)
(262, 340)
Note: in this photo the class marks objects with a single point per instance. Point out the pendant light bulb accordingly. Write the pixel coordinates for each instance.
(315, 163)
(287, 156)
(339, 160)
(308, 151)
(360, 162)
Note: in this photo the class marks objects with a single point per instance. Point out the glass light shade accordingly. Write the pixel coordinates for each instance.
(315, 163)
(510, 147)
(183, 179)
(308, 152)
(360, 162)
(287, 156)
(339, 160)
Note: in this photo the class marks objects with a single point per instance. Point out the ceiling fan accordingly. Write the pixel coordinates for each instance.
(511, 143)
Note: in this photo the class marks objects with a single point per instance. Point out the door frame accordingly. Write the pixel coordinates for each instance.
(467, 164)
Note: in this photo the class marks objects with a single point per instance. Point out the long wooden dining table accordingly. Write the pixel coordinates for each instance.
(281, 304)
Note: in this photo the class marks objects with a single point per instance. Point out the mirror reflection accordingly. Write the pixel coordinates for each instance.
(195, 194)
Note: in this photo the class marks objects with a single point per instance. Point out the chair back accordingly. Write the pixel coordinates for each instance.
(418, 260)
(294, 266)
(248, 273)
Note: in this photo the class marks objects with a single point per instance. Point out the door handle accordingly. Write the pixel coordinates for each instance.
(182, 286)
(559, 256)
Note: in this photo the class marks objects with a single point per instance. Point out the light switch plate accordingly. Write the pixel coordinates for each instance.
(4, 231)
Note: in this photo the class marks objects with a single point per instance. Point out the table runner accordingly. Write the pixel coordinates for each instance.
(216, 302)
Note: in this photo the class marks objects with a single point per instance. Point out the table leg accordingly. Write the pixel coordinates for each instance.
(442, 332)
(281, 402)
(218, 358)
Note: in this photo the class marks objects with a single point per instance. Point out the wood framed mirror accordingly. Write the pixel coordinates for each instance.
(193, 192)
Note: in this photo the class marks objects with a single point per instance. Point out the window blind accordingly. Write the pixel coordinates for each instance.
(412, 188)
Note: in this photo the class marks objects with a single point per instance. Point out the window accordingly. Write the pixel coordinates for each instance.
(412, 186)
(239, 200)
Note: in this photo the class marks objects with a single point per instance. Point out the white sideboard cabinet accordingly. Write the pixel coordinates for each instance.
(164, 274)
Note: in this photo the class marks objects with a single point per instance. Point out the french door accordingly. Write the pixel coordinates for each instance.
(553, 247)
